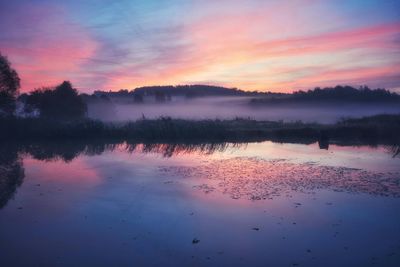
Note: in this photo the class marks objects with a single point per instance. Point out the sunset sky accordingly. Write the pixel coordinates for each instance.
(252, 45)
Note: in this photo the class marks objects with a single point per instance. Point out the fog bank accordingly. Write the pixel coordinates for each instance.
(233, 107)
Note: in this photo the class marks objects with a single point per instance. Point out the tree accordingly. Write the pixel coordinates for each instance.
(137, 98)
(62, 102)
(9, 86)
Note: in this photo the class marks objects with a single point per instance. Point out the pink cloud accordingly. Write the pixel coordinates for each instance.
(246, 46)
(51, 49)
(221, 49)
(373, 76)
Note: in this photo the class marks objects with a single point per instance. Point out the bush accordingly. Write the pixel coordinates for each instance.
(9, 87)
(62, 102)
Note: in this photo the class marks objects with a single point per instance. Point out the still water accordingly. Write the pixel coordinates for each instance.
(257, 204)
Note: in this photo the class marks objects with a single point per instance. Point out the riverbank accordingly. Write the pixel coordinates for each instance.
(380, 129)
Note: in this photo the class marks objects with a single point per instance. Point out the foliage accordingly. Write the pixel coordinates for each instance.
(9, 86)
(337, 94)
(162, 93)
(382, 129)
(62, 102)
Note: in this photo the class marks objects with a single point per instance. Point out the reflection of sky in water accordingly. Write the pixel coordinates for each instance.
(370, 158)
(122, 209)
(257, 179)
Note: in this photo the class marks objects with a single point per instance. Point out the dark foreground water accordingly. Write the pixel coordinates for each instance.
(260, 204)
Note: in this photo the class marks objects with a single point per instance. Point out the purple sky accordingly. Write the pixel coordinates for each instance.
(253, 45)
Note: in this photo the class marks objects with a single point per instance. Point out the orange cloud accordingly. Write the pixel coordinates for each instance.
(353, 76)
(251, 46)
(233, 51)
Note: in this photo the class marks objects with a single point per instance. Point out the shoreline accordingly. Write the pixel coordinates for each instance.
(374, 130)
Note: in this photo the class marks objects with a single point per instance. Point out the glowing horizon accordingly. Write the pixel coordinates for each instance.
(252, 45)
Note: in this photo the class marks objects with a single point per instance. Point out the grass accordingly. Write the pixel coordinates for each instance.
(383, 129)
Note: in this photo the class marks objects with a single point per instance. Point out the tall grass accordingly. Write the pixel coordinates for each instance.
(382, 128)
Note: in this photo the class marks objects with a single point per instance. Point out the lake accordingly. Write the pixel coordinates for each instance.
(256, 204)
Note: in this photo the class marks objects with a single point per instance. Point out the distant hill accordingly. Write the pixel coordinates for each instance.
(333, 94)
(336, 94)
(182, 90)
(194, 91)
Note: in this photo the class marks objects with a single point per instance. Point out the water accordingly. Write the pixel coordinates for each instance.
(259, 204)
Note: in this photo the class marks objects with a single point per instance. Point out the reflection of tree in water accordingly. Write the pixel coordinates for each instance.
(173, 149)
(67, 151)
(11, 172)
(394, 150)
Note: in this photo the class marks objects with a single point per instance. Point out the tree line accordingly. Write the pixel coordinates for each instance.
(59, 102)
(64, 101)
(337, 94)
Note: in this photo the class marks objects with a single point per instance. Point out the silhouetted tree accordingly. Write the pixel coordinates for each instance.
(335, 94)
(181, 90)
(160, 97)
(138, 98)
(62, 102)
(99, 106)
(9, 86)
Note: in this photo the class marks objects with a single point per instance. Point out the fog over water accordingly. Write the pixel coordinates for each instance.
(233, 107)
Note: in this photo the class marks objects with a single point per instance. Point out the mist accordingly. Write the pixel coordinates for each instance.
(237, 107)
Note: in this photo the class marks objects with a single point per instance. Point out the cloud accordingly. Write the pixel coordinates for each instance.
(256, 45)
(43, 44)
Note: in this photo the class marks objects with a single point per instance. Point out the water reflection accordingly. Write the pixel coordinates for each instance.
(135, 204)
(68, 150)
(11, 172)
(65, 150)
(256, 179)
(237, 181)
(169, 150)
(394, 150)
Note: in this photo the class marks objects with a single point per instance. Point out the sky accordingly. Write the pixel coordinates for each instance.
(278, 46)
